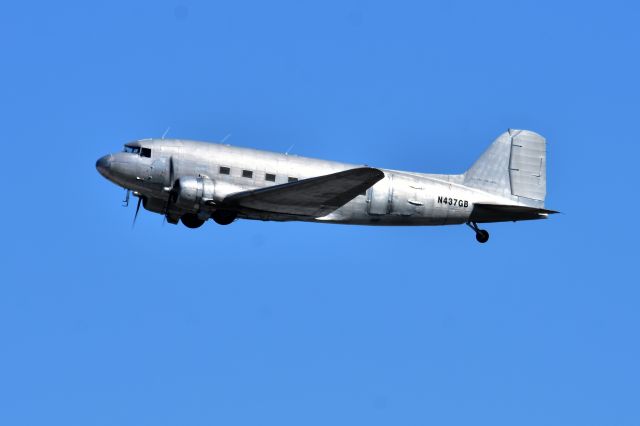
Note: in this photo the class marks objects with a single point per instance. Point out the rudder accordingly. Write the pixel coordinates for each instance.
(514, 166)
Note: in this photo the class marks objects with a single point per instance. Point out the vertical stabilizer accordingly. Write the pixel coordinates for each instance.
(514, 166)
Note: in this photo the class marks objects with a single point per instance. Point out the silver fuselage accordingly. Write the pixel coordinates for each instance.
(400, 198)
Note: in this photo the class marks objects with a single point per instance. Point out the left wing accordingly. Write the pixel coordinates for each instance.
(313, 197)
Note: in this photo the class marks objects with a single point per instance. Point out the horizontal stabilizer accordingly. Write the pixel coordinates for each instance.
(506, 213)
(313, 197)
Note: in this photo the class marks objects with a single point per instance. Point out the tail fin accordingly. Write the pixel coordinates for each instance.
(514, 166)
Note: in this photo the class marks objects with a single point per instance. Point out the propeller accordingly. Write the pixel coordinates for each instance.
(172, 190)
(137, 210)
(171, 199)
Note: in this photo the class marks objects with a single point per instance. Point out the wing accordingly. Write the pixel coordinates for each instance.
(505, 213)
(314, 197)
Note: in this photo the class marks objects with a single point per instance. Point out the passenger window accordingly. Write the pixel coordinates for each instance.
(270, 177)
(247, 174)
(225, 170)
(145, 152)
(292, 179)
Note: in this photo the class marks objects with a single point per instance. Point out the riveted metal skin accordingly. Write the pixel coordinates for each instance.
(188, 177)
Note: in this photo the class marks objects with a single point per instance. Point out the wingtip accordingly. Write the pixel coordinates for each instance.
(371, 170)
(377, 173)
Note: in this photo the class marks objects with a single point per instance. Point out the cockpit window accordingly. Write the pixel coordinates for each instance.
(136, 149)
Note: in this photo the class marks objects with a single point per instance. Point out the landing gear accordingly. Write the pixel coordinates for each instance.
(224, 217)
(482, 236)
(191, 221)
(172, 219)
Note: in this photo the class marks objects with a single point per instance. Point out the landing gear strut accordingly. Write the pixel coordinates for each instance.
(481, 235)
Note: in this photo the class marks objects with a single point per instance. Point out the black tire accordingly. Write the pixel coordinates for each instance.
(191, 221)
(224, 217)
(482, 236)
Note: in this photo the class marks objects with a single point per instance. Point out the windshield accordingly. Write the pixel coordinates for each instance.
(132, 149)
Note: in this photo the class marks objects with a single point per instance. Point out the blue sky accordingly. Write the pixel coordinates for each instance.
(289, 324)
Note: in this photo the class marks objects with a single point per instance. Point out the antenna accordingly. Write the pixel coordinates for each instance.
(289, 150)
(225, 138)
(165, 132)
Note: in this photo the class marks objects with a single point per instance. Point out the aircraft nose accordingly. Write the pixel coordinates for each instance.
(104, 164)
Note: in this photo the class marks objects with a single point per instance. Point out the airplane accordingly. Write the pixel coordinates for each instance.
(192, 182)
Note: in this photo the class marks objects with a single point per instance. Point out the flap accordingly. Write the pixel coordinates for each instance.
(314, 197)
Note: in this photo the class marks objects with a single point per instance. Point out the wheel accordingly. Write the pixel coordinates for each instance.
(482, 236)
(191, 221)
(224, 217)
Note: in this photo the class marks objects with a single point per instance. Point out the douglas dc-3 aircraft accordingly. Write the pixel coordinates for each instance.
(194, 181)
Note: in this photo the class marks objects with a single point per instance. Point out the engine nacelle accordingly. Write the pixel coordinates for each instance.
(193, 192)
(196, 193)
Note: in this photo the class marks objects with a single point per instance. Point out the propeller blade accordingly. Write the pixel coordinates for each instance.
(137, 210)
(171, 191)
(171, 171)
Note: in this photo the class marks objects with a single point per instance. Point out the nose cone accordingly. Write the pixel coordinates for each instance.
(104, 165)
